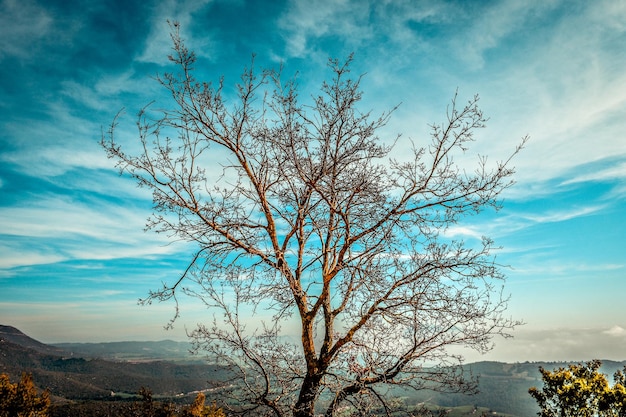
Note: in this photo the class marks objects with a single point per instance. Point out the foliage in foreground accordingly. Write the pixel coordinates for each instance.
(21, 399)
(581, 391)
(146, 407)
(149, 408)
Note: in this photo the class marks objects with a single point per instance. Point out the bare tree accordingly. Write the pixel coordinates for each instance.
(312, 220)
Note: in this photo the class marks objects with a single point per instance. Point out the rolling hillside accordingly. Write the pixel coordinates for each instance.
(106, 371)
(71, 377)
(128, 351)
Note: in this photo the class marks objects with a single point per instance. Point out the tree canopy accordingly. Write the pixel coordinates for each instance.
(581, 391)
(307, 216)
(22, 399)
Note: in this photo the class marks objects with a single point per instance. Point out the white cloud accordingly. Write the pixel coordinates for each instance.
(615, 331)
(67, 141)
(509, 223)
(22, 22)
(488, 29)
(556, 344)
(105, 94)
(48, 161)
(612, 14)
(464, 231)
(562, 85)
(42, 148)
(158, 41)
(566, 91)
(563, 215)
(312, 19)
(609, 173)
(13, 256)
(561, 272)
(59, 229)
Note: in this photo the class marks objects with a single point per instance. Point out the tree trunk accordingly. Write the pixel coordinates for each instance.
(305, 406)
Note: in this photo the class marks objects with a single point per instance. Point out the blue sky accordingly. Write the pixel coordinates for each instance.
(74, 258)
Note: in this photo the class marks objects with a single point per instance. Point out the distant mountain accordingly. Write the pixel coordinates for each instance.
(503, 387)
(131, 351)
(99, 370)
(71, 377)
(13, 335)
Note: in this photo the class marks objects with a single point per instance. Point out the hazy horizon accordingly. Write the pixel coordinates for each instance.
(74, 258)
(496, 355)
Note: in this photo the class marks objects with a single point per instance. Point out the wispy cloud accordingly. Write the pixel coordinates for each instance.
(108, 93)
(549, 271)
(487, 29)
(558, 344)
(22, 23)
(464, 231)
(609, 172)
(550, 69)
(572, 115)
(616, 331)
(306, 21)
(562, 215)
(14, 255)
(158, 40)
(511, 222)
(81, 230)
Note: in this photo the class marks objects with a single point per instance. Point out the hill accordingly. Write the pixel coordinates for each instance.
(105, 371)
(13, 335)
(72, 377)
(131, 351)
(503, 387)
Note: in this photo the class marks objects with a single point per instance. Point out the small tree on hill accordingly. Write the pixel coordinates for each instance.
(308, 218)
(198, 409)
(580, 391)
(22, 399)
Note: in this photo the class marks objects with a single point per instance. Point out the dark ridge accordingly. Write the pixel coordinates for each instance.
(75, 378)
(15, 336)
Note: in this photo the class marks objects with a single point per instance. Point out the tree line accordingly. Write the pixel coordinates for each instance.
(578, 390)
(23, 399)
